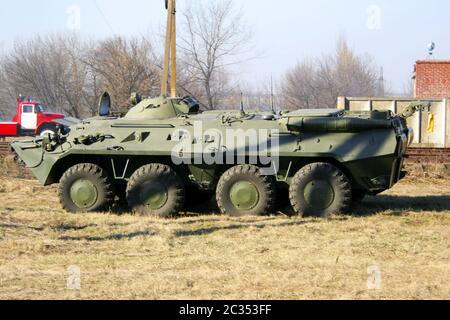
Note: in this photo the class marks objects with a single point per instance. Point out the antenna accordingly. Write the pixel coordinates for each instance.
(272, 97)
(381, 87)
(170, 55)
(242, 104)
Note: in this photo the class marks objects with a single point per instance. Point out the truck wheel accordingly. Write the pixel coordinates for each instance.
(47, 128)
(319, 190)
(156, 190)
(243, 191)
(86, 188)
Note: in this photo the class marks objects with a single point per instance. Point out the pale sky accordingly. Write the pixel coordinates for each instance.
(394, 32)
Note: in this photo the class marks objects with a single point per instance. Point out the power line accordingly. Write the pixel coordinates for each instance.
(104, 17)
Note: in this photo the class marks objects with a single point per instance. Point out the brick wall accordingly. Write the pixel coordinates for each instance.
(432, 79)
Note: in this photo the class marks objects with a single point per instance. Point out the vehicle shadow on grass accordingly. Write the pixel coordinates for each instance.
(117, 236)
(240, 226)
(398, 205)
(368, 207)
(383, 204)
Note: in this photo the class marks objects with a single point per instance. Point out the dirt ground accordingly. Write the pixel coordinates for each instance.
(393, 246)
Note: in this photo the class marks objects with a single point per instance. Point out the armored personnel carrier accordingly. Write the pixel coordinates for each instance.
(164, 151)
(164, 147)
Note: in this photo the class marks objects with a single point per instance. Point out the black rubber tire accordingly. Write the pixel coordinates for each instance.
(264, 184)
(163, 174)
(47, 127)
(95, 175)
(336, 179)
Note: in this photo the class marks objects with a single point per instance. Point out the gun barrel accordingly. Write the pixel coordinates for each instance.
(337, 125)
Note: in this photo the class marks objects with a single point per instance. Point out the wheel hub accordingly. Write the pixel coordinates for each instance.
(154, 195)
(319, 194)
(83, 193)
(244, 195)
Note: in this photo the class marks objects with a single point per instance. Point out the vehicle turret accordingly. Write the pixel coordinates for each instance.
(162, 108)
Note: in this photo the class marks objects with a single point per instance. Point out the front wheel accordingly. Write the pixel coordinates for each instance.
(85, 188)
(320, 189)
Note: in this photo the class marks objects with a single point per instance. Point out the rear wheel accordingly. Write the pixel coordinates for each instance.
(86, 188)
(155, 190)
(320, 189)
(243, 190)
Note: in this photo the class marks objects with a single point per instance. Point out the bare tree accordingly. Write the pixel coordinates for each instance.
(318, 83)
(47, 68)
(409, 89)
(215, 38)
(300, 87)
(354, 75)
(124, 66)
(69, 75)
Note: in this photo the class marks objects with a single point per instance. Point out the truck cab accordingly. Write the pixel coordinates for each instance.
(30, 119)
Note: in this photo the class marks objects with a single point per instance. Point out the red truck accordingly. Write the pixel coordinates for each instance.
(30, 119)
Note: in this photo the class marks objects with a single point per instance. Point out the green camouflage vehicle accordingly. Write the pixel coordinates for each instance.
(164, 152)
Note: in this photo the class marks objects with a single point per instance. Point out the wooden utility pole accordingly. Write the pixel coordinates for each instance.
(173, 76)
(170, 55)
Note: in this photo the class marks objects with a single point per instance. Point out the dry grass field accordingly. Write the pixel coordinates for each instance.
(404, 233)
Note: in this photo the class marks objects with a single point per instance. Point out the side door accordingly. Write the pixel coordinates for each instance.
(29, 117)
